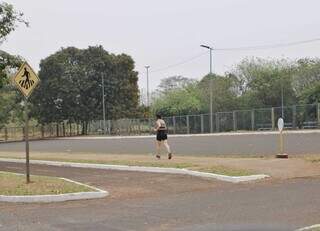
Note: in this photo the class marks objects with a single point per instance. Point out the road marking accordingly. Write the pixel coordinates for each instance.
(317, 226)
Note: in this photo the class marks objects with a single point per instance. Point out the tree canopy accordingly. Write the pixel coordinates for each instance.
(253, 83)
(71, 86)
(9, 20)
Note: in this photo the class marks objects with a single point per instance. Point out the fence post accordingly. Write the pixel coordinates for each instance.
(174, 124)
(234, 118)
(252, 120)
(318, 114)
(5, 134)
(201, 123)
(150, 126)
(63, 130)
(109, 125)
(57, 129)
(188, 125)
(272, 118)
(217, 122)
(294, 117)
(42, 131)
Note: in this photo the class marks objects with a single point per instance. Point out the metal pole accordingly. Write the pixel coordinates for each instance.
(318, 114)
(282, 113)
(103, 107)
(26, 137)
(281, 143)
(210, 87)
(272, 119)
(211, 94)
(188, 125)
(234, 118)
(148, 99)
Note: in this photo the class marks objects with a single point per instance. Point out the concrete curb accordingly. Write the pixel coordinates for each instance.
(312, 227)
(232, 179)
(98, 193)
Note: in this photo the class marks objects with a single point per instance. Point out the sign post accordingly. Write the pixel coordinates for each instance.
(281, 153)
(26, 81)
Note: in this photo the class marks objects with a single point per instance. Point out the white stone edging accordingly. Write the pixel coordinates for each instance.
(97, 193)
(309, 228)
(183, 171)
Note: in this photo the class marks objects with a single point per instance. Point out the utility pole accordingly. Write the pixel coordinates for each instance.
(282, 103)
(148, 99)
(210, 87)
(103, 106)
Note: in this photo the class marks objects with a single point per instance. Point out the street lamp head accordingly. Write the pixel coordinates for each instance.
(206, 46)
(147, 67)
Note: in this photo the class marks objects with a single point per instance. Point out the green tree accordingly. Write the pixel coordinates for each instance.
(9, 20)
(9, 107)
(173, 83)
(71, 81)
(224, 92)
(181, 101)
(306, 79)
(261, 82)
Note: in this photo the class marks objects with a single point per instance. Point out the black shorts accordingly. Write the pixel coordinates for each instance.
(162, 135)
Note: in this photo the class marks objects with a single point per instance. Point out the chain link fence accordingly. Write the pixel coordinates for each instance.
(263, 119)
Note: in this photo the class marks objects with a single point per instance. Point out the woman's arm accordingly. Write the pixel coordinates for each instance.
(156, 128)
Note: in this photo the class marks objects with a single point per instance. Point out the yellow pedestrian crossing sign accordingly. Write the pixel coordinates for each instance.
(26, 79)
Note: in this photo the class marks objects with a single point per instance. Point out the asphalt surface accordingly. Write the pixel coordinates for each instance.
(244, 144)
(154, 202)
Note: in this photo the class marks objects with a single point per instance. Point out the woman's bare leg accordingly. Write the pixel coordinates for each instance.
(158, 147)
(165, 143)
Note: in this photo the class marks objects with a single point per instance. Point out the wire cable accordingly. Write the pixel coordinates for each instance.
(261, 47)
(179, 63)
(270, 46)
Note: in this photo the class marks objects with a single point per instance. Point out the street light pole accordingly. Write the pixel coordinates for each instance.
(148, 99)
(282, 113)
(103, 106)
(211, 86)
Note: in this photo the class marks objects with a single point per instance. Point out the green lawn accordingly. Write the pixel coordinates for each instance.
(12, 184)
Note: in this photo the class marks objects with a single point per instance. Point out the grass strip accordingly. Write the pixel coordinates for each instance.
(15, 185)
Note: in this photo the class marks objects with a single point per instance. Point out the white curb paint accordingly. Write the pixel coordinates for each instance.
(98, 193)
(232, 179)
(309, 228)
(190, 135)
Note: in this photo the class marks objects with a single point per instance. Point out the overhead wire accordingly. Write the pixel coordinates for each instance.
(270, 46)
(261, 47)
(179, 63)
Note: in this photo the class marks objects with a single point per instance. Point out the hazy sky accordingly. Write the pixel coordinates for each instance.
(161, 33)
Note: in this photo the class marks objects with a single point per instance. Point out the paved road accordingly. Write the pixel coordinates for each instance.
(158, 202)
(236, 144)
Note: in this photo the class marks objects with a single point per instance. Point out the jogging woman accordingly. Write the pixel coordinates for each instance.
(161, 129)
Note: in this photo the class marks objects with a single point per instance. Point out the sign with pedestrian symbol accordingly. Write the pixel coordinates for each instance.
(26, 79)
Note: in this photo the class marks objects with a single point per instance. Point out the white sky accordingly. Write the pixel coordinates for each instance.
(161, 33)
